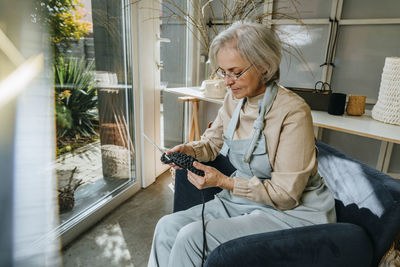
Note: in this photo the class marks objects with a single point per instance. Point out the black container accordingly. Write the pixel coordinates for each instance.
(316, 99)
(337, 102)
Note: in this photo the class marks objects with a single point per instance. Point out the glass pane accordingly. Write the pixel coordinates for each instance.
(229, 11)
(370, 9)
(173, 57)
(94, 105)
(173, 11)
(311, 42)
(360, 57)
(310, 9)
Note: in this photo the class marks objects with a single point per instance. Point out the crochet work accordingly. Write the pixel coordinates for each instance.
(387, 109)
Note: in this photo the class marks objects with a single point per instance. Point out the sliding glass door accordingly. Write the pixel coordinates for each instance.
(95, 112)
(69, 114)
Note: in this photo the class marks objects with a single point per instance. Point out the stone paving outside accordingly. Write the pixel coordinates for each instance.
(88, 161)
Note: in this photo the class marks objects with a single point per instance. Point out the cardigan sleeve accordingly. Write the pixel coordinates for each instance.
(295, 160)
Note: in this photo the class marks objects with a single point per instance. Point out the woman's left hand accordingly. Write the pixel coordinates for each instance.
(212, 178)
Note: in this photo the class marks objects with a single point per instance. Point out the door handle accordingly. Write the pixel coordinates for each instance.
(162, 40)
(160, 65)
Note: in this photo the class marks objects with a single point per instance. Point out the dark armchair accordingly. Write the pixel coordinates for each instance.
(368, 219)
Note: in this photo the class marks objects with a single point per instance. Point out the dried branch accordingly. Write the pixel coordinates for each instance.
(70, 178)
(236, 10)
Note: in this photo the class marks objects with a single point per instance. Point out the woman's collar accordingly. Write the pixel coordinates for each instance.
(253, 101)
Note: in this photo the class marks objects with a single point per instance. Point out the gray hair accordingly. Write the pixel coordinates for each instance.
(255, 42)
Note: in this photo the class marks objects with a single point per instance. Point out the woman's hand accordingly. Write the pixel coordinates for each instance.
(184, 149)
(212, 178)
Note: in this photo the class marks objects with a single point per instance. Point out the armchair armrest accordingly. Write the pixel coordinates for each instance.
(334, 244)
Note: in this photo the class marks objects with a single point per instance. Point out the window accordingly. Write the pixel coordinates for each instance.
(174, 73)
(95, 126)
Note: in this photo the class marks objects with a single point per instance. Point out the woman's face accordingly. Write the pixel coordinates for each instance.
(231, 62)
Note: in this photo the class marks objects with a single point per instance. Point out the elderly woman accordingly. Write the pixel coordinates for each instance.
(266, 132)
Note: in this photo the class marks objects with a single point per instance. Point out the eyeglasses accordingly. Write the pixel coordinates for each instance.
(233, 76)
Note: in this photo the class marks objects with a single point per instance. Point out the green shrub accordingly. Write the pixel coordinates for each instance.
(63, 20)
(76, 97)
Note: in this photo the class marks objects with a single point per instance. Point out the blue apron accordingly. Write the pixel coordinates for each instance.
(249, 156)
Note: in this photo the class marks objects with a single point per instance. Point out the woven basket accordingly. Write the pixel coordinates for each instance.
(387, 109)
(356, 105)
(115, 162)
(392, 256)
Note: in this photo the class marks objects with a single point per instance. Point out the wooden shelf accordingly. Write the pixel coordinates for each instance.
(359, 125)
(195, 92)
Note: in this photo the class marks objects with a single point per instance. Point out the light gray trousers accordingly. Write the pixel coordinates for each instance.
(178, 237)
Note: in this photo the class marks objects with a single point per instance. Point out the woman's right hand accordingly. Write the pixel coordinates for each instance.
(185, 149)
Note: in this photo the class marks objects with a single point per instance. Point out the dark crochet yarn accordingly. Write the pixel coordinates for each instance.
(182, 160)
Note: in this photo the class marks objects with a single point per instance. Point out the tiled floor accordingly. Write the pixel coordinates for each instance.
(123, 238)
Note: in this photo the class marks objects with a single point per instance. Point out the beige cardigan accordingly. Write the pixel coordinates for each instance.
(290, 143)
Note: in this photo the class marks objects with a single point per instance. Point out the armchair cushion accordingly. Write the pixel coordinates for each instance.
(366, 199)
(336, 244)
(364, 196)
